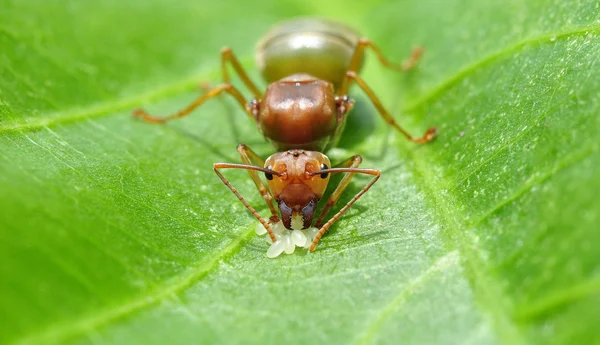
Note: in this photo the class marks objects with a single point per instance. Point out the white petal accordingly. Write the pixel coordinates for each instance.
(276, 249)
(260, 229)
(311, 233)
(268, 238)
(278, 227)
(299, 238)
(289, 244)
(310, 236)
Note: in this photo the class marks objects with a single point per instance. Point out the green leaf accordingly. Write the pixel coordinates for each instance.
(114, 231)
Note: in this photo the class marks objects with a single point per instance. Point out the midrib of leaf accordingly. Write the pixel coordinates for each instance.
(499, 308)
(187, 84)
(498, 305)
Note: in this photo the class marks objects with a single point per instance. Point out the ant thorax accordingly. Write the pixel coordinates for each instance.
(299, 112)
(296, 189)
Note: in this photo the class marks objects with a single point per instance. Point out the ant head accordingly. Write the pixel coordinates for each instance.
(297, 185)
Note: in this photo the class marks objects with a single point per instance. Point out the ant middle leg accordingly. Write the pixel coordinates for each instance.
(228, 56)
(359, 52)
(230, 89)
(352, 162)
(211, 92)
(428, 136)
(251, 158)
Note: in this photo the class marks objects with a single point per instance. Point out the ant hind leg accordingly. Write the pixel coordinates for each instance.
(429, 135)
(359, 52)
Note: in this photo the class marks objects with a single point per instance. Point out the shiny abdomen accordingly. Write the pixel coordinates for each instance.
(314, 46)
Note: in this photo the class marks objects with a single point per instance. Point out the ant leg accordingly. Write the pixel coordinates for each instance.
(325, 228)
(359, 52)
(217, 166)
(249, 157)
(227, 56)
(205, 86)
(352, 162)
(428, 136)
(412, 61)
(230, 89)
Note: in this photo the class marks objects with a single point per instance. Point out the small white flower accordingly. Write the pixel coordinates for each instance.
(287, 240)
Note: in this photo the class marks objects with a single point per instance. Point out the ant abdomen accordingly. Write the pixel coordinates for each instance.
(319, 47)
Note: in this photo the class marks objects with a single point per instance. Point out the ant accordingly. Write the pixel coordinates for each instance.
(309, 64)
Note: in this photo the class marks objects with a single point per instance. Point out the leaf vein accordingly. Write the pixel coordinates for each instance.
(572, 159)
(113, 106)
(440, 265)
(470, 69)
(128, 234)
(560, 298)
(83, 325)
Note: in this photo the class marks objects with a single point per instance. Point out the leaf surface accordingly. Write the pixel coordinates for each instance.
(117, 231)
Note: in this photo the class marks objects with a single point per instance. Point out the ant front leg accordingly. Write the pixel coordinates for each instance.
(428, 136)
(352, 162)
(359, 52)
(249, 157)
(217, 166)
(373, 172)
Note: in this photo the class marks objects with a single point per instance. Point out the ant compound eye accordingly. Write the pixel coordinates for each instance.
(323, 167)
(267, 175)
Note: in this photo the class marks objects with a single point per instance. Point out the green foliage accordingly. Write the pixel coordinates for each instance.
(113, 231)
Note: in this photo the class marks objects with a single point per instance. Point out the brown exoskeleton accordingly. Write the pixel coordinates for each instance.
(310, 65)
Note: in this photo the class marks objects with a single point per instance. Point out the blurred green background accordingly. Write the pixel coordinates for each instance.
(113, 231)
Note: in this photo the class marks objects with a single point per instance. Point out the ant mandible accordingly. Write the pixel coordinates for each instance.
(309, 64)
